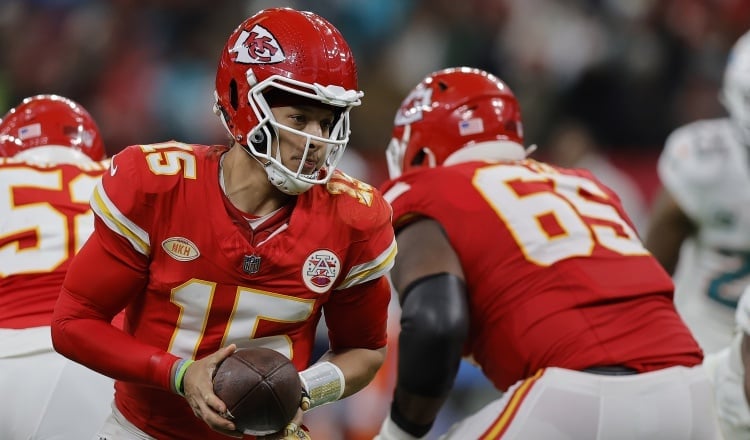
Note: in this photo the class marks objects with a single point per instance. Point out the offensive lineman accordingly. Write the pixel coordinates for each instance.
(537, 274)
(51, 156)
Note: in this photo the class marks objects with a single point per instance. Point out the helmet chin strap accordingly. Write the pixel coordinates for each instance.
(281, 180)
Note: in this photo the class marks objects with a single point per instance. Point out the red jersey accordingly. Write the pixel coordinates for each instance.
(212, 281)
(44, 220)
(555, 272)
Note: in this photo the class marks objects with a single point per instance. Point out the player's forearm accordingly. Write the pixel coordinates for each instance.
(82, 336)
(358, 366)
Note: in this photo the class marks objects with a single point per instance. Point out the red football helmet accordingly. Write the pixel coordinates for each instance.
(50, 128)
(449, 110)
(296, 52)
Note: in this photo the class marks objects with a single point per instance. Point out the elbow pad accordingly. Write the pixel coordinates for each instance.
(434, 327)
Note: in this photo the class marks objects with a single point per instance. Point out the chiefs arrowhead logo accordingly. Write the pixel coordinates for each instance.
(258, 46)
(413, 106)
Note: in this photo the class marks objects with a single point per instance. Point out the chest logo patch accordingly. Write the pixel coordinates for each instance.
(320, 270)
(180, 248)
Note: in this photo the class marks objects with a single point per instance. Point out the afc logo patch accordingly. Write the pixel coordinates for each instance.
(257, 46)
(321, 269)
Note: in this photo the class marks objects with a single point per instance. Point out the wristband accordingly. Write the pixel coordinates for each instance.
(179, 375)
(323, 383)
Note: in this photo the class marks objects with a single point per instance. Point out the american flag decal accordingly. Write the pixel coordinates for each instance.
(470, 126)
(30, 131)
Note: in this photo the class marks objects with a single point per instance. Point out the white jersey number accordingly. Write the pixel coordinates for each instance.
(48, 225)
(554, 216)
(251, 306)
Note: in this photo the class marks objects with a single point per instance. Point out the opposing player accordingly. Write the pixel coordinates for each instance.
(51, 156)
(730, 368)
(537, 274)
(208, 248)
(700, 224)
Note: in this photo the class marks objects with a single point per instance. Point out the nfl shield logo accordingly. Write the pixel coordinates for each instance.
(251, 264)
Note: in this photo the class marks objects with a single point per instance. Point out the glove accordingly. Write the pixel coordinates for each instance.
(294, 432)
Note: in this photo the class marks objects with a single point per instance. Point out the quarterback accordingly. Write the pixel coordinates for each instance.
(209, 248)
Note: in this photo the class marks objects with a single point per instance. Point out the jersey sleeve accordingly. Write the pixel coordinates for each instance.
(691, 161)
(110, 269)
(87, 305)
(373, 248)
(358, 317)
(122, 203)
(357, 311)
(411, 198)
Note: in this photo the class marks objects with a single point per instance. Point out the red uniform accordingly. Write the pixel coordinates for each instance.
(45, 218)
(210, 280)
(555, 271)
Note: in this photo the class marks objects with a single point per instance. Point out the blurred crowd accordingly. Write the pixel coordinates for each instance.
(629, 70)
(617, 75)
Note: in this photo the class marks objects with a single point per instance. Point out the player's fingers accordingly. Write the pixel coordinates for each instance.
(216, 404)
(208, 407)
(216, 358)
(217, 422)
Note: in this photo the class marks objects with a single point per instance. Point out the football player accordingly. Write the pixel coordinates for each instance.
(534, 272)
(729, 368)
(51, 156)
(700, 224)
(209, 248)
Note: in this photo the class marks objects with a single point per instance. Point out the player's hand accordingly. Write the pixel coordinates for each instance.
(199, 392)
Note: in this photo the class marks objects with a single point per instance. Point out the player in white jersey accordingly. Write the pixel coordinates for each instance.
(50, 159)
(700, 225)
(705, 169)
(731, 380)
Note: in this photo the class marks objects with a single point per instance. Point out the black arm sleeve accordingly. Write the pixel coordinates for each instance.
(434, 327)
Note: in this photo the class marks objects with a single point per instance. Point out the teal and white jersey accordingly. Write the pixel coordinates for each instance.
(706, 168)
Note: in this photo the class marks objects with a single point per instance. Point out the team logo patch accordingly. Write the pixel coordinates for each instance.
(413, 106)
(181, 249)
(257, 46)
(320, 270)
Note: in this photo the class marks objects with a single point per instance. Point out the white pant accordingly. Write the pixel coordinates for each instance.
(728, 374)
(117, 427)
(671, 404)
(45, 395)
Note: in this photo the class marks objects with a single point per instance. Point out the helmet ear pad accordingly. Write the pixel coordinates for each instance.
(258, 140)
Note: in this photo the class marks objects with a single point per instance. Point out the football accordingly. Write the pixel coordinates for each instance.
(261, 388)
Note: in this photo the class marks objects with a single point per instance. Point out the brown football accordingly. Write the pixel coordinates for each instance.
(261, 388)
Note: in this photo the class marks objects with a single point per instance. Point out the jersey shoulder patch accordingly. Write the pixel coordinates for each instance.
(358, 204)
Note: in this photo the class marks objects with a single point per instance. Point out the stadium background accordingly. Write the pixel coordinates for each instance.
(625, 72)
